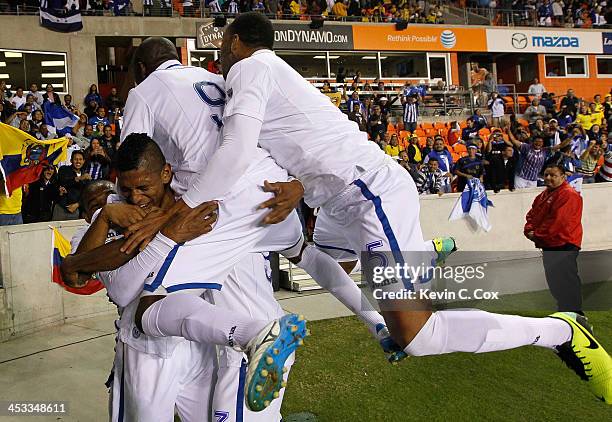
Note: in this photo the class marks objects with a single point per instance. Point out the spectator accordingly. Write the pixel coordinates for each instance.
(535, 111)
(353, 100)
(51, 96)
(41, 196)
(488, 85)
(584, 118)
(18, 99)
(479, 120)
(10, 207)
(444, 159)
(71, 180)
(556, 133)
(26, 126)
(46, 133)
(536, 88)
(502, 169)
(570, 102)
(579, 141)
(498, 107)
(554, 225)
(356, 116)
(545, 14)
(597, 116)
(100, 117)
(595, 133)
(340, 9)
(605, 171)
(393, 148)
(114, 101)
(68, 104)
(468, 168)
(470, 131)
(38, 96)
(429, 144)
(477, 77)
(413, 151)
(93, 95)
(377, 123)
(411, 112)
(548, 102)
(435, 180)
(16, 118)
(97, 161)
(385, 105)
(557, 10)
(3, 113)
(564, 117)
(109, 141)
(589, 159)
(533, 155)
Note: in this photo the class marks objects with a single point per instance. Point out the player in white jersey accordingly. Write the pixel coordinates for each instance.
(181, 107)
(363, 195)
(152, 375)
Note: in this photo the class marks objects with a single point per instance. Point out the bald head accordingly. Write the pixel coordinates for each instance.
(150, 54)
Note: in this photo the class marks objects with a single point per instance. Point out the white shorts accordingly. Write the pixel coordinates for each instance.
(228, 400)
(379, 212)
(205, 262)
(520, 183)
(147, 388)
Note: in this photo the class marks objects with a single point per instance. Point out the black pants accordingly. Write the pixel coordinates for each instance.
(410, 126)
(561, 270)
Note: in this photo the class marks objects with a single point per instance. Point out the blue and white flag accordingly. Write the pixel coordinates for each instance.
(61, 15)
(473, 203)
(61, 119)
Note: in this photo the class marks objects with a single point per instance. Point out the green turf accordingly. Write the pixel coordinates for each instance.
(341, 375)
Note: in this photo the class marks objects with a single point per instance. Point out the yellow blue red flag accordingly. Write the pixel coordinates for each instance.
(61, 249)
(23, 157)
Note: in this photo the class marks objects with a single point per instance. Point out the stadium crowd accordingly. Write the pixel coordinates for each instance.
(503, 150)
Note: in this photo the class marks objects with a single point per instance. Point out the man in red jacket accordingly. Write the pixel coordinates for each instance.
(554, 224)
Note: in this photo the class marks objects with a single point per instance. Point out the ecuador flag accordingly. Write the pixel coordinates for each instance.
(23, 157)
(61, 249)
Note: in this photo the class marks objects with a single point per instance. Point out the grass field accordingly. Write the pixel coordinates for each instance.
(341, 375)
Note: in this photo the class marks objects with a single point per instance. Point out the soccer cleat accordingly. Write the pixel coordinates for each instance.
(585, 356)
(392, 350)
(267, 353)
(444, 246)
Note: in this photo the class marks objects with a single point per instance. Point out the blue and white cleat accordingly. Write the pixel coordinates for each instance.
(267, 354)
(392, 350)
(444, 247)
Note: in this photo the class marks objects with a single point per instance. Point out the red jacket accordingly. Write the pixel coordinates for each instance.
(556, 217)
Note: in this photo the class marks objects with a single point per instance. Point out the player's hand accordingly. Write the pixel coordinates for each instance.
(191, 223)
(139, 235)
(71, 278)
(123, 215)
(287, 196)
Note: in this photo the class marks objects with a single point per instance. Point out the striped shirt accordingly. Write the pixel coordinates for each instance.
(411, 112)
(233, 8)
(605, 172)
(532, 162)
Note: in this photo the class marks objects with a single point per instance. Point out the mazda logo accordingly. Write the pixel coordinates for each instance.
(519, 41)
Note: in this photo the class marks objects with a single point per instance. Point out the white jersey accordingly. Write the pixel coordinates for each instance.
(185, 119)
(301, 129)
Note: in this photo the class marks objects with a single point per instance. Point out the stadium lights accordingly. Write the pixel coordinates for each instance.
(53, 75)
(4, 75)
(2, 64)
(52, 63)
(12, 55)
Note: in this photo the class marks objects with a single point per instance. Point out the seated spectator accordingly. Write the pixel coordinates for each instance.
(91, 109)
(40, 198)
(429, 144)
(501, 169)
(71, 180)
(470, 131)
(413, 151)
(535, 111)
(31, 102)
(548, 101)
(109, 141)
(19, 99)
(556, 132)
(579, 141)
(479, 120)
(584, 118)
(100, 117)
(26, 126)
(536, 88)
(468, 168)
(356, 116)
(68, 104)
(51, 96)
(570, 101)
(595, 133)
(589, 159)
(93, 95)
(597, 115)
(564, 117)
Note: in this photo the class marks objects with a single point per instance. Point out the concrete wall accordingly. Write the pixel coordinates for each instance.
(30, 301)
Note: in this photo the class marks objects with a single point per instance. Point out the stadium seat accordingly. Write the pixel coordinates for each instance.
(427, 125)
(440, 125)
(404, 134)
(462, 125)
(443, 132)
(523, 122)
(419, 132)
(400, 126)
(391, 128)
(509, 104)
(422, 141)
(431, 132)
(484, 132)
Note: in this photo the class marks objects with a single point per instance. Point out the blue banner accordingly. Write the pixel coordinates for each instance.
(607, 42)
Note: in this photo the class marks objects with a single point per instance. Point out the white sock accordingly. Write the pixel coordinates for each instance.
(330, 275)
(191, 317)
(479, 331)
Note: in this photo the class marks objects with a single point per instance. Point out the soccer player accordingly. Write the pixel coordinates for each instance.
(181, 370)
(186, 122)
(363, 195)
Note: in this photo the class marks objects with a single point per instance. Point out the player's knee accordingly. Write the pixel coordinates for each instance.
(405, 326)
